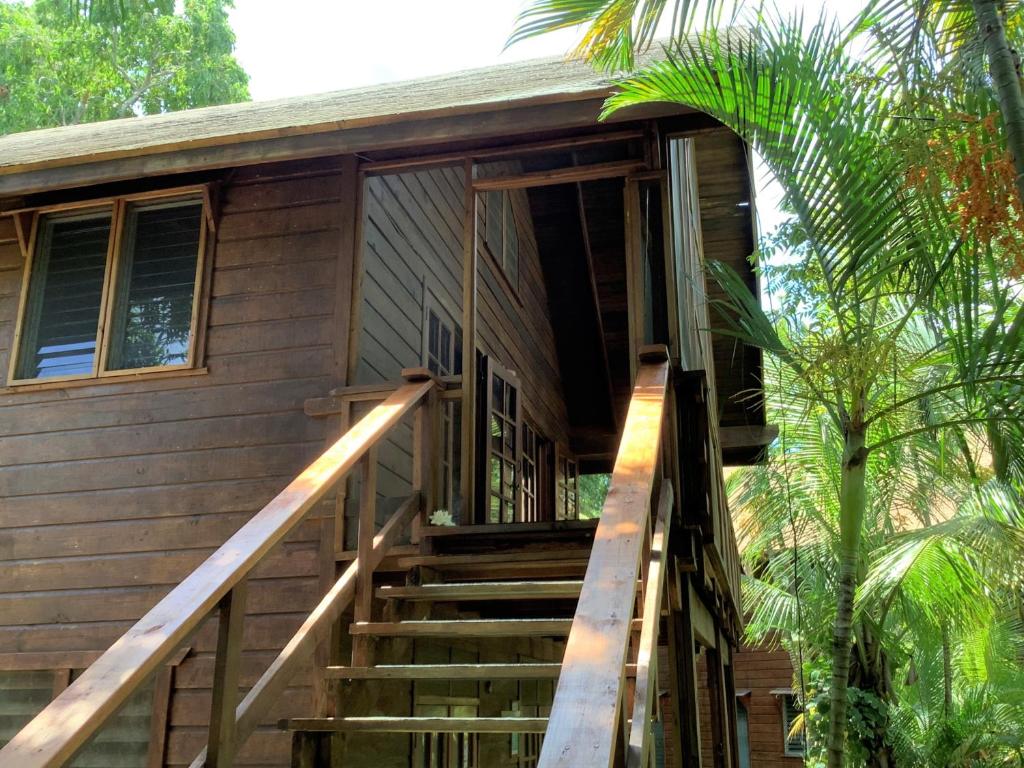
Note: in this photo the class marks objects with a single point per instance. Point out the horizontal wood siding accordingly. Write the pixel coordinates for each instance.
(111, 493)
(412, 243)
(723, 187)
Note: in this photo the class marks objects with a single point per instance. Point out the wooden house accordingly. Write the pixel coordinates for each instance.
(301, 401)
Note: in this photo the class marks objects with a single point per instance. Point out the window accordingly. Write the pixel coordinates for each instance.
(531, 475)
(795, 743)
(568, 498)
(111, 290)
(503, 445)
(501, 234)
(442, 355)
(742, 734)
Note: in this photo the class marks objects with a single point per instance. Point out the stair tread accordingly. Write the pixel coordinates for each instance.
(519, 671)
(493, 590)
(418, 724)
(464, 628)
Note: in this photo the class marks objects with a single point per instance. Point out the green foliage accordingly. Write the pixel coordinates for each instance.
(895, 366)
(64, 62)
(593, 490)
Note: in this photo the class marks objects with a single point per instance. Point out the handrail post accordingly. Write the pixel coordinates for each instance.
(638, 746)
(363, 608)
(424, 453)
(231, 612)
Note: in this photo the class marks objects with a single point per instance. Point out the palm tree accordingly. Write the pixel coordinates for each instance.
(882, 257)
(961, 33)
(942, 543)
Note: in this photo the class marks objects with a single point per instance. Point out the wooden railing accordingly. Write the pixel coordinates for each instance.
(589, 712)
(70, 720)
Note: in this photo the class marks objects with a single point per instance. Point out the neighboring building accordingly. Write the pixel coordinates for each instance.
(460, 287)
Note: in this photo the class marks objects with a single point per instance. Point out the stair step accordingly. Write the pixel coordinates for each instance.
(523, 671)
(465, 628)
(494, 590)
(526, 671)
(418, 724)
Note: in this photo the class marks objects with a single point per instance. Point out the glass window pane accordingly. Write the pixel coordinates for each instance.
(155, 290)
(62, 312)
(446, 349)
(493, 203)
(432, 337)
(511, 256)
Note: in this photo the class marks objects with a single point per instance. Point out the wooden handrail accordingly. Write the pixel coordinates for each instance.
(639, 746)
(585, 713)
(69, 721)
(315, 628)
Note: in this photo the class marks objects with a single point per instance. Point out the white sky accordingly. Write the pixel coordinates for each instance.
(292, 47)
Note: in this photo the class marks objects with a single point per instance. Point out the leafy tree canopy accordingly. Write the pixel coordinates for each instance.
(64, 62)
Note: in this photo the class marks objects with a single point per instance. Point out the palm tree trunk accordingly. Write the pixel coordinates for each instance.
(1003, 68)
(852, 502)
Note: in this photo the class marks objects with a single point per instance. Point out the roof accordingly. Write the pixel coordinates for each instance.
(466, 92)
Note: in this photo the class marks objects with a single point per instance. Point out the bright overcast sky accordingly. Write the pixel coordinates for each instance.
(293, 47)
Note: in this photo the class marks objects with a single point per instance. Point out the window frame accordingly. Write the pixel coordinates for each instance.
(117, 207)
(492, 369)
(499, 260)
(447, 491)
(563, 456)
(788, 702)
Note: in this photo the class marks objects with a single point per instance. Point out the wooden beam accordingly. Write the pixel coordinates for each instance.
(747, 436)
(261, 697)
(485, 591)
(363, 609)
(469, 296)
(68, 722)
(406, 164)
(522, 671)
(463, 628)
(567, 175)
(595, 655)
(383, 724)
(683, 647)
(228, 659)
(347, 268)
(701, 619)
(23, 229)
(638, 748)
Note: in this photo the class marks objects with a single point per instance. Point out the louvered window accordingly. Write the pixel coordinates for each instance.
(111, 290)
(793, 735)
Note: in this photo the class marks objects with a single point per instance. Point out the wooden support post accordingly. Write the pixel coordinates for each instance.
(469, 291)
(363, 608)
(732, 738)
(673, 725)
(719, 706)
(163, 688)
(231, 612)
(685, 658)
(424, 457)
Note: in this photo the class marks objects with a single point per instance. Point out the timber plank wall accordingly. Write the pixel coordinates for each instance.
(412, 245)
(111, 493)
(759, 670)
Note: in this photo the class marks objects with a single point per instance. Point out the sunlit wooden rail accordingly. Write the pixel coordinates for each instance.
(66, 725)
(586, 724)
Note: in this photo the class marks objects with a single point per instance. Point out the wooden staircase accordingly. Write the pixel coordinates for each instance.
(591, 593)
(461, 610)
